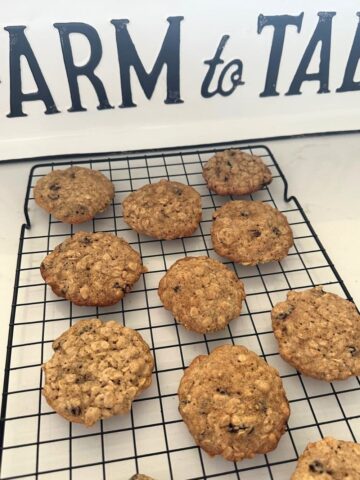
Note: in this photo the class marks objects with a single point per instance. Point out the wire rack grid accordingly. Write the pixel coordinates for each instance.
(152, 439)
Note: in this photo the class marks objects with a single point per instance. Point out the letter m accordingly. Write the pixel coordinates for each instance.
(169, 54)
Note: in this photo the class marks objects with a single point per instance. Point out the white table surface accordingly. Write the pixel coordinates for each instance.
(323, 172)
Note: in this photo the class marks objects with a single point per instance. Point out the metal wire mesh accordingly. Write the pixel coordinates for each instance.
(37, 443)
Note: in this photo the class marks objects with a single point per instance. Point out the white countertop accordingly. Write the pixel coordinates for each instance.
(323, 172)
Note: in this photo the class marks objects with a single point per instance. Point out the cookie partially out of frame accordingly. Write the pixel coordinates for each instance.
(319, 334)
(233, 172)
(74, 195)
(164, 210)
(140, 476)
(94, 269)
(97, 370)
(233, 403)
(202, 293)
(329, 459)
(250, 232)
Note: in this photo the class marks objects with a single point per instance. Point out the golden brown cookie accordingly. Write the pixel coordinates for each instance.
(233, 172)
(319, 334)
(74, 195)
(329, 459)
(250, 232)
(92, 269)
(97, 370)
(233, 403)
(163, 210)
(202, 293)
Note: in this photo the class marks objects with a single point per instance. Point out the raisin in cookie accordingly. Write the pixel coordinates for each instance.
(74, 195)
(233, 403)
(92, 269)
(233, 172)
(250, 232)
(202, 293)
(163, 210)
(319, 334)
(329, 459)
(96, 371)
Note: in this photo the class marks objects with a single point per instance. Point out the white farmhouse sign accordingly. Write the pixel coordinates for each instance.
(86, 76)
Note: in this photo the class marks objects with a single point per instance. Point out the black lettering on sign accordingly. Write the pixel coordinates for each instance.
(20, 46)
(279, 22)
(169, 54)
(321, 34)
(349, 83)
(235, 77)
(73, 71)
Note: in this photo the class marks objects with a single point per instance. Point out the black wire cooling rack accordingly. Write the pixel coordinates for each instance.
(152, 439)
